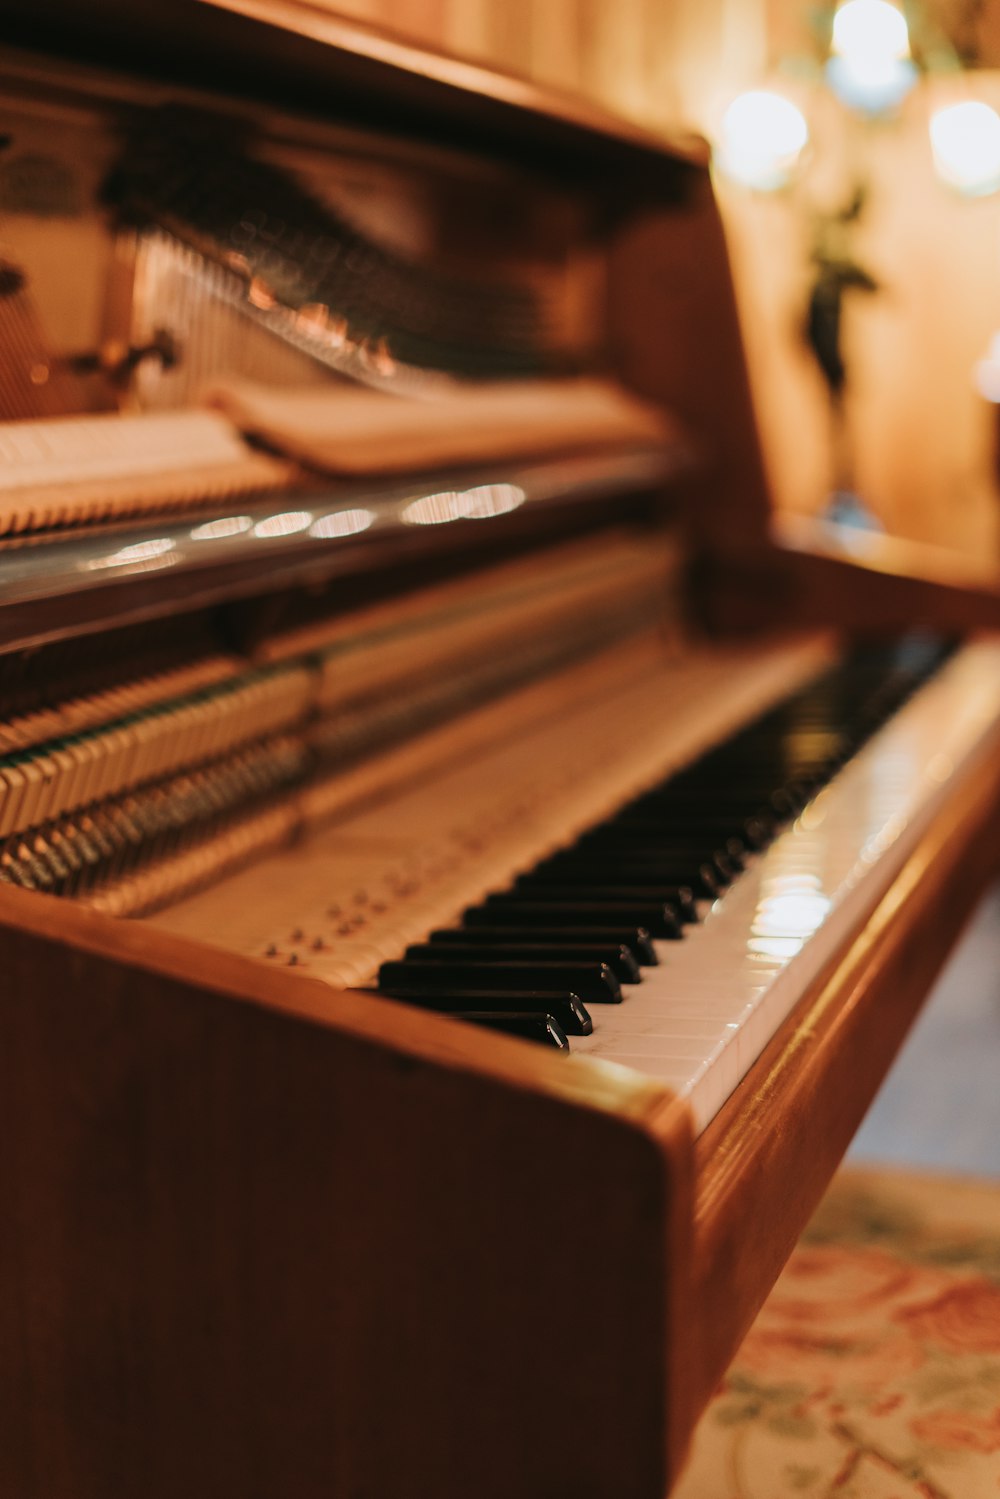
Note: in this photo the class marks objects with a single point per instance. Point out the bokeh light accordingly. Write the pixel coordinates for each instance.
(761, 139)
(869, 67)
(965, 140)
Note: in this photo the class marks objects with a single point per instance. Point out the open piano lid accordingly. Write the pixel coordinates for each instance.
(287, 51)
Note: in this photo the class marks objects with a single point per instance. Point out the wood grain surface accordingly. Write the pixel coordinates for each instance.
(762, 1165)
(265, 1240)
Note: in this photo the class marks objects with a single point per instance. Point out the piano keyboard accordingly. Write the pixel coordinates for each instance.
(703, 1004)
(458, 865)
(699, 1020)
(444, 819)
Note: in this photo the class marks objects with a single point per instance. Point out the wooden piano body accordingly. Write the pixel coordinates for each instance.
(265, 1238)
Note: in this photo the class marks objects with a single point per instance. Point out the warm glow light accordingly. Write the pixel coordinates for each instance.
(141, 551)
(870, 66)
(761, 139)
(868, 31)
(791, 914)
(965, 139)
(988, 372)
(487, 500)
(141, 556)
(480, 503)
(792, 906)
(226, 525)
(285, 524)
(342, 523)
(433, 509)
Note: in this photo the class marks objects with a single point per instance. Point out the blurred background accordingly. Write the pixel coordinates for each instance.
(920, 436)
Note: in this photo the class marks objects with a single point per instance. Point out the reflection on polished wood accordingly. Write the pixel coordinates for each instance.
(293, 1226)
(763, 1163)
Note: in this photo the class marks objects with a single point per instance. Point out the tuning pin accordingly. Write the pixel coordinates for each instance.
(376, 357)
(336, 332)
(312, 319)
(260, 295)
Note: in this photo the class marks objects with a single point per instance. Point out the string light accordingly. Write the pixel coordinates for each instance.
(870, 67)
(761, 140)
(871, 70)
(965, 140)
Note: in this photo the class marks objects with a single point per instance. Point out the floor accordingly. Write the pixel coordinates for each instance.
(940, 1105)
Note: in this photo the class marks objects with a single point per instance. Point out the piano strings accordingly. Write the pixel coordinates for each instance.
(95, 788)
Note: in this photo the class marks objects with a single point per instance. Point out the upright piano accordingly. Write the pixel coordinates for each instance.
(461, 882)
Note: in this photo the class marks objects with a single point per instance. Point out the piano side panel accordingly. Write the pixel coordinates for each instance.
(673, 335)
(764, 1162)
(251, 1252)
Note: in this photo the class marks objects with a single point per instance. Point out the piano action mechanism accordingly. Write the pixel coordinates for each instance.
(382, 524)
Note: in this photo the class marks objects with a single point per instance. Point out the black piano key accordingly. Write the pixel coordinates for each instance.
(723, 793)
(631, 826)
(660, 919)
(690, 836)
(567, 885)
(683, 847)
(532, 1025)
(568, 1009)
(647, 856)
(587, 874)
(619, 959)
(663, 808)
(659, 829)
(688, 843)
(730, 793)
(766, 756)
(732, 848)
(636, 941)
(658, 860)
(593, 982)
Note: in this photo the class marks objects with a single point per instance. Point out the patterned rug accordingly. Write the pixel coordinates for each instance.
(873, 1371)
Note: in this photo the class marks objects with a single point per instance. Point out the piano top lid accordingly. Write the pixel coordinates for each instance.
(293, 52)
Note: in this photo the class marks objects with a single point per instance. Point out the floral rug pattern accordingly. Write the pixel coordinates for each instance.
(873, 1371)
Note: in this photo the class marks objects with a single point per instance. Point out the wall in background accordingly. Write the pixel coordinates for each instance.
(652, 59)
(924, 441)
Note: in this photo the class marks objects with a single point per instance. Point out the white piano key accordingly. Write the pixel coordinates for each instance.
(664, 1045)
(699, 1020)
(684, 1029)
